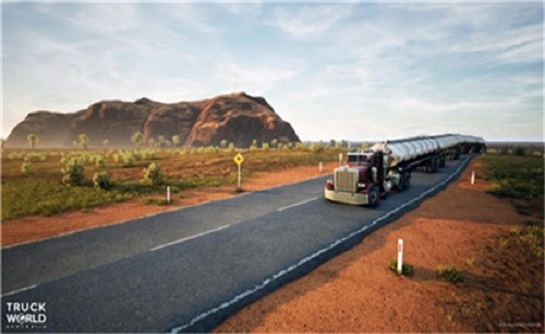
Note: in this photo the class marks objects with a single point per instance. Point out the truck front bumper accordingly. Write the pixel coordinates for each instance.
(345, 197)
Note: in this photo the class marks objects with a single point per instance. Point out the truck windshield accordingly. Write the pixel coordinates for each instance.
(357, 158)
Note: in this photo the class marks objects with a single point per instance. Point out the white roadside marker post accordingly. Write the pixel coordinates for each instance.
(399, 256)
(320, 167)
(340, 158)
(168, 194)
(472, 177)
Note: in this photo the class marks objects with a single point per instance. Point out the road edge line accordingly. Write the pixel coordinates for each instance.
(196, 325)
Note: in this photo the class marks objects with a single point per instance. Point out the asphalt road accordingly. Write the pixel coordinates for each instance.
(188, 269)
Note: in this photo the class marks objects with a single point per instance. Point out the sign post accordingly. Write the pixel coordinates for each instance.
(238, 159)
(168, 194)
(472, 177)
(399, 256)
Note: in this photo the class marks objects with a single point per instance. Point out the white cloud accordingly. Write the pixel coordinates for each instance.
(104, 17)
(190, 15)
(531, 52)
(301, 21)
(358, 70)
(258, 79)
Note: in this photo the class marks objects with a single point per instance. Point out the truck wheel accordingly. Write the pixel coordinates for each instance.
(373, 196)
(401, 185)
(406, 180)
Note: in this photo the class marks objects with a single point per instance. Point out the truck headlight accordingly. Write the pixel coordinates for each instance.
(361, 185)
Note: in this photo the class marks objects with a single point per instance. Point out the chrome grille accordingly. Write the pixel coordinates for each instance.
(345, 180)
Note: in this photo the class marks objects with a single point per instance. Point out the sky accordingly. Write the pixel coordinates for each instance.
(334, 70)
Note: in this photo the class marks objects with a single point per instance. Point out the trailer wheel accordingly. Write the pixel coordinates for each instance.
(434, 166)
(373, 196)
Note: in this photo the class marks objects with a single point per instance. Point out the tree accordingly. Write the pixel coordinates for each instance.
(176, 140)
(223, 143)
(162, 141)
(254, 145)
(274, 143)
(231, 147)
(137, 138)
(152, 142)
(84, 141)
(105, 142)
(519, 151)
(32, 140)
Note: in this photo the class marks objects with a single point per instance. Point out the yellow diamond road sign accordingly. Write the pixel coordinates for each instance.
(238, 159)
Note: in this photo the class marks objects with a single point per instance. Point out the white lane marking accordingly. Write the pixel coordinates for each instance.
(159, 213)
(309, 258)
(179, 241)
(297, 204)
(30, 287)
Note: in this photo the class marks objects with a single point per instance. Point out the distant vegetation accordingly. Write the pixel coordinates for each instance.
(47, 182)
(518, 177)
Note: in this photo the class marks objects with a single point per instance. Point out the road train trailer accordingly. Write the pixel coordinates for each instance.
(371, 174)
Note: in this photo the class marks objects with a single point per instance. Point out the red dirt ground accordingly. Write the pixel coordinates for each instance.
(356, 292)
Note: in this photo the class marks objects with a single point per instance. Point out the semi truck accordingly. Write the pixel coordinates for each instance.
(371, 174)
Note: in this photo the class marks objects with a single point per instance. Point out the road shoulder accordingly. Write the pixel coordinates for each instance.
(356, 292)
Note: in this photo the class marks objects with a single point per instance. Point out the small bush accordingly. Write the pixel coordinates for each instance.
(26, 167)
(450, 274)
(102, 180)
(154, 201)
(406, 268)
(519, 151)
(149, 155)
(99, 161)
(73, 173)
(129, 158)
(154, 175)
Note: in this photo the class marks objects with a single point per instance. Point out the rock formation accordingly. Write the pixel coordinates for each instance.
(237, 118)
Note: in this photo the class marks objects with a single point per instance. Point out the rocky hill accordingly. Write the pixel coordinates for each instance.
(237, 118)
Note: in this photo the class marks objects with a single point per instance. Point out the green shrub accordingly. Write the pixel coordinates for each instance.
(102, 180)
(519, 151)
(129, 159)
(26, 167)
(100, 162)
(406, 268)
(450, 274)
(73, 173)
(154, 201)
(149, 155)
(154, 175)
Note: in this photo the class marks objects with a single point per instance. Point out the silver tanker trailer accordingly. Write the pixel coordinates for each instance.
(373, 173)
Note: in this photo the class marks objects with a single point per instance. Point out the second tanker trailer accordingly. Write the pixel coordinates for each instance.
(373, 173)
